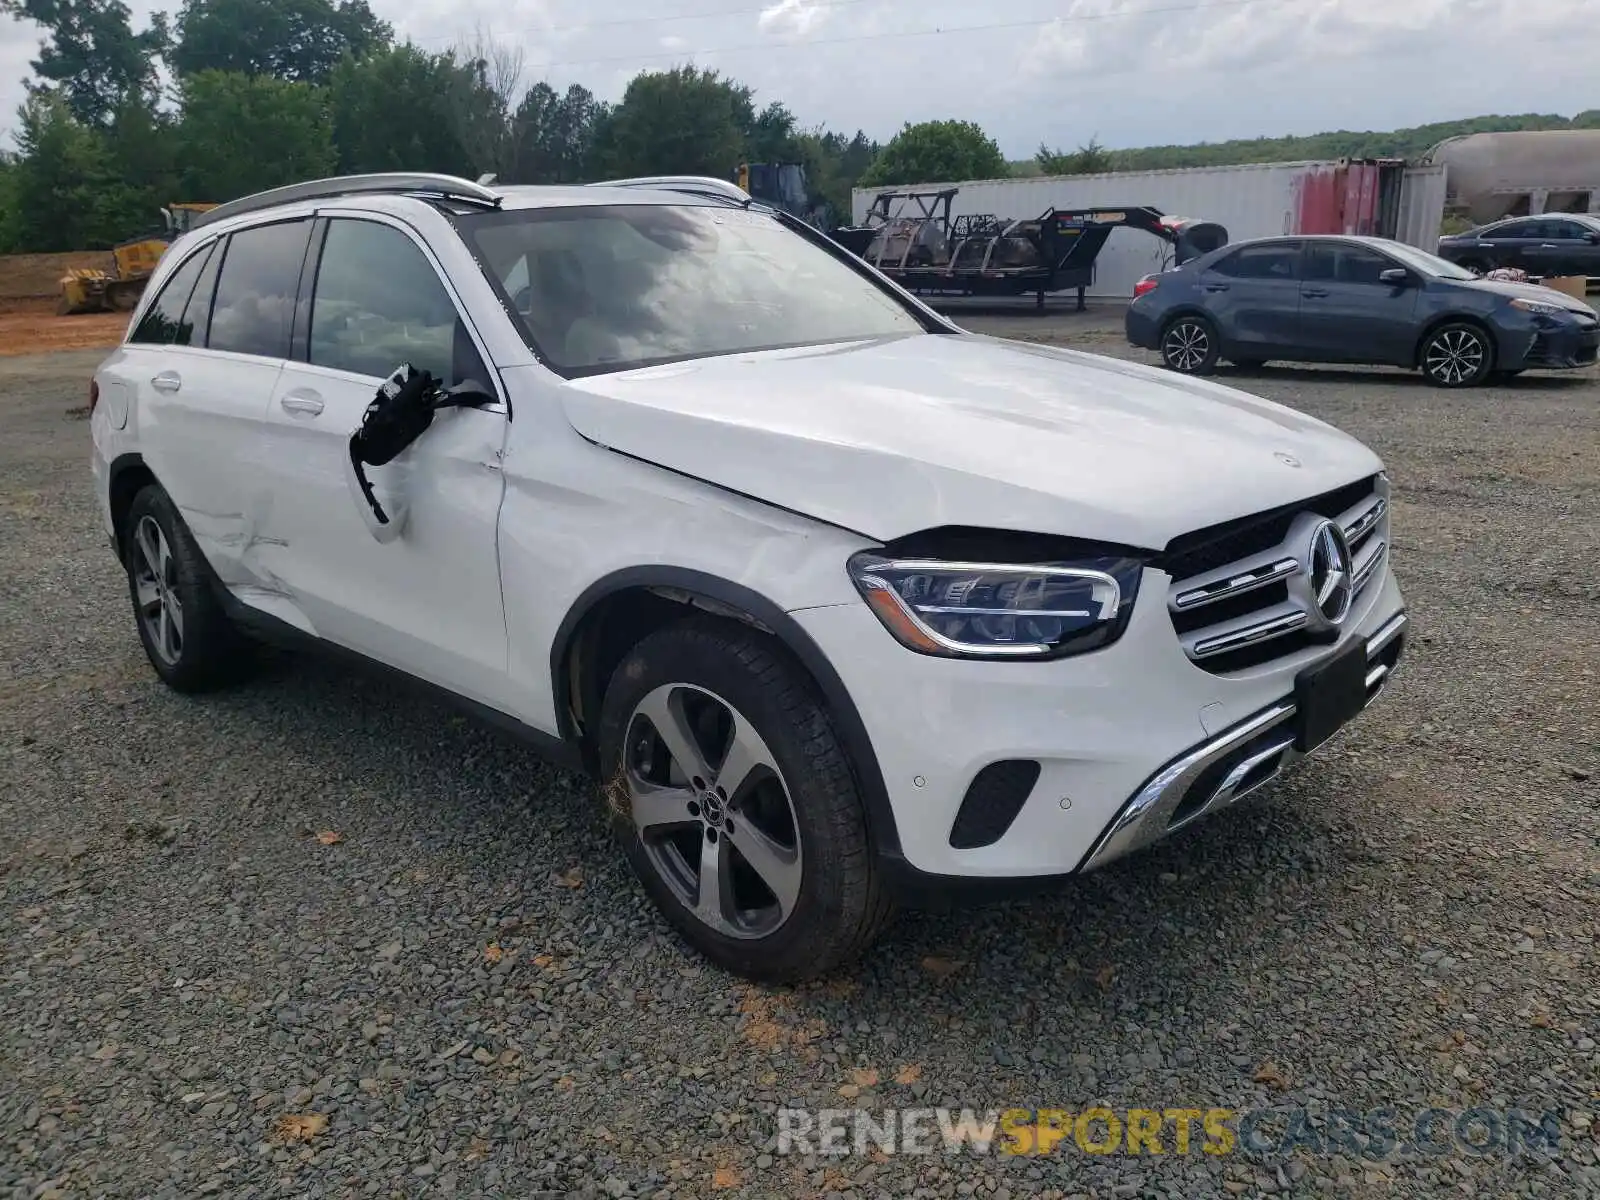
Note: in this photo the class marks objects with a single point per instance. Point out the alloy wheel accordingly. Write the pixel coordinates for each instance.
(1455, 356)
(712, 811)
(1186, 346)
(155, 581)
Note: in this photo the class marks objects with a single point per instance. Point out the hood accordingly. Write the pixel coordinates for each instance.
(887, 438)
(1528, 291)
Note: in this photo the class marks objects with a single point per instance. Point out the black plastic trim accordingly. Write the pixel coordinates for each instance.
(847, 720)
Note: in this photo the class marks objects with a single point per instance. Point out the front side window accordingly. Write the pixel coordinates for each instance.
(379, 302)
(254, 307)
(164, 322)
(1339, 262)
(609, 287)
(1280, 260)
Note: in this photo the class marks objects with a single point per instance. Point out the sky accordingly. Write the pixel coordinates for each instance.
(1127, 72)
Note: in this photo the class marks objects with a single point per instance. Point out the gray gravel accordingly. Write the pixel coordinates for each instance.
(188, 967)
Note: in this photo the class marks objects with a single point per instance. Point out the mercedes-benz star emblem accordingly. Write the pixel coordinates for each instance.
(1328, 567)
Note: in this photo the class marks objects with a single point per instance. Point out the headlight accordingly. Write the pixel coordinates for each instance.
(1542, 307)
(998, 610)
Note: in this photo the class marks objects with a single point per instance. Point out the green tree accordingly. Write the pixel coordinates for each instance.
(391, 112)
(91, 56)
(291, 39)
(245, 133)
(554, 134)
(682, 121)
(1091, 158)
(936, 152)
(64, 189)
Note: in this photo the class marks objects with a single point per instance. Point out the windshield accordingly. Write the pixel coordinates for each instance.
(606, 288)
(1428, 264)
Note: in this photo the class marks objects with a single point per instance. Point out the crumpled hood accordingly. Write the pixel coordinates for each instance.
(890, 437)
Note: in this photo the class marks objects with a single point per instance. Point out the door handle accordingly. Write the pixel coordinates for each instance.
(303, 402)
(1216, 287)
(1314, 293)
(167, 381)
(1548, 246)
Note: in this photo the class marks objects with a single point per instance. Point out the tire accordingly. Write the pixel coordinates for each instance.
(717, 684)
(187, 637)
(1189, 346)
(1456, 355)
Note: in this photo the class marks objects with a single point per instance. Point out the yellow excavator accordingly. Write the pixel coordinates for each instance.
(86, 290)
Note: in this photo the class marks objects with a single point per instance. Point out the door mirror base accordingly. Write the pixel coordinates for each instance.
(1395, 277)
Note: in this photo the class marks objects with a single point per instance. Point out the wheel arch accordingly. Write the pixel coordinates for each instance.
(1456, 318)
(616, 612)
(126, 477)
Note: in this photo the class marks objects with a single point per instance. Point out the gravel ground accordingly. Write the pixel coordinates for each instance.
(314, 937)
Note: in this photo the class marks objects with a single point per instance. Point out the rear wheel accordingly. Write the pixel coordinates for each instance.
(1189, 346)
(735, 803)
(1456, 356)
(187, 637)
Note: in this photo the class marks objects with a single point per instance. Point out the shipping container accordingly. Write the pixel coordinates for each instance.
(1254, 200)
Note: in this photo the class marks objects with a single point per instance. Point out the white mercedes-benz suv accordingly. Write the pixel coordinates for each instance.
(841, 605)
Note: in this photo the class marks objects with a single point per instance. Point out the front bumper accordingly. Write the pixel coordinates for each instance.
(1102, 727)
(1552, 345)
(1225, 768)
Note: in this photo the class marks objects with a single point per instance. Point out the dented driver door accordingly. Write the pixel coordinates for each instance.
(428, 599)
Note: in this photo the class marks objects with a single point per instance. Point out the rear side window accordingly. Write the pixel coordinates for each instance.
(254, 308)
(164, 322)
(1278, 261)
(379, 302)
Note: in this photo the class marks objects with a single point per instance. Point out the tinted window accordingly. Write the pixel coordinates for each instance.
(1564, 231)
(198, 313)
(255, 294)
(1512, 229)
(379, 303)
(163, 322)
(1278, 261)
(605, 287)
(1337, 262)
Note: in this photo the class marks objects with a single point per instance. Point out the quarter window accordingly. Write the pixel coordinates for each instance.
(165, 322)
(379, 303)
(254, 308)
(1277, 261)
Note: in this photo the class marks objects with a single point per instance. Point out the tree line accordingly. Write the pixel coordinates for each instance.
(227, 97)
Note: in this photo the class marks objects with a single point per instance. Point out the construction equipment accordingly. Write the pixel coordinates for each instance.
(85, 290)
(911, 237)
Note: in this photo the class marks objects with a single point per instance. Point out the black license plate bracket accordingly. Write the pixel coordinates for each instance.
(1328, 695)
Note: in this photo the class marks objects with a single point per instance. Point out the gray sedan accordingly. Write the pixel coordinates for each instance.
(1356, 300)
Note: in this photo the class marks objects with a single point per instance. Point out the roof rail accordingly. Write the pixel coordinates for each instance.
(696, 185)
(447, 187)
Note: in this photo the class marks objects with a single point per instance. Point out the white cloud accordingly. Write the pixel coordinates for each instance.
(1130, 72)
(794, 16)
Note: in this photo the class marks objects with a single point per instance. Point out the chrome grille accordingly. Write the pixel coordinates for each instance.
(1260, 606)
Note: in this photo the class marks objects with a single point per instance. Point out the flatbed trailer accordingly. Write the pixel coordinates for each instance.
(912, 238)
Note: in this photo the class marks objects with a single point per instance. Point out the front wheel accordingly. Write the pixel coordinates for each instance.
(1457, 356)
(1189, 346)
(735, 803)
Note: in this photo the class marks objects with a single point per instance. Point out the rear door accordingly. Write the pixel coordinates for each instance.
(1564, 248)
(202, 396)
(428, 601)
(1347, 314)
(1253, 295)
(1508, 244)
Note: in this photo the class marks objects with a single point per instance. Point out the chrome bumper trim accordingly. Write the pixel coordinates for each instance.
(1148, 816)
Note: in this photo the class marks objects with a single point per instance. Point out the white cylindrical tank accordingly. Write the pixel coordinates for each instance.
(1491, 172)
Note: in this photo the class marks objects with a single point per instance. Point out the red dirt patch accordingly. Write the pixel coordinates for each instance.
(35, 328)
